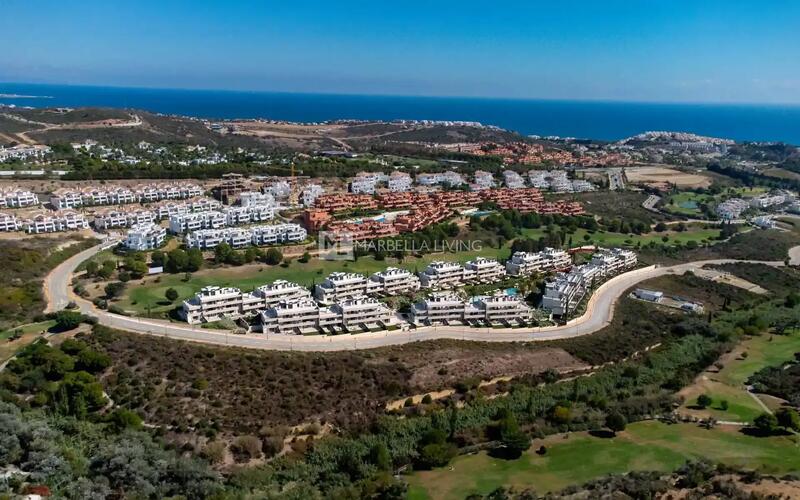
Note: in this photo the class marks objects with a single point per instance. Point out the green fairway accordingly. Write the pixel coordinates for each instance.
(762, 351)
(138, 297)
(643, 446)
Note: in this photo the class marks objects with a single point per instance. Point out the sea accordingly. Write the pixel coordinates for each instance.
(606, 120)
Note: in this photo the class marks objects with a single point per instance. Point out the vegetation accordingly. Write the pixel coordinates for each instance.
(27, 261)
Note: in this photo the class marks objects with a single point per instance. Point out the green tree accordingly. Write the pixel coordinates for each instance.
(616, 422)
(177, 261)
(788, 418)
(68, 320)
(766, 423)
(171, 294)
(704, 400)
(273, 257)
(381, 457)
(195, 260)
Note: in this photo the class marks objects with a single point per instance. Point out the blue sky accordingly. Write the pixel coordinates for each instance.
(645, 50)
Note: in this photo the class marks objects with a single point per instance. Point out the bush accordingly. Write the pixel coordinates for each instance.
(171, 294)
(246, 447)
(67, 320)
(704, 400)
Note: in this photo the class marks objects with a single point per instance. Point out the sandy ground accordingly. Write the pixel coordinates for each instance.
(664, 174)
(730, 279)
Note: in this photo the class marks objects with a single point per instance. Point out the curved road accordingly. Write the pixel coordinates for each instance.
(599, 312)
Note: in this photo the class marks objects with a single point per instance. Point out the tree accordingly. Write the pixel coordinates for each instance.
(195, 260)
(68, 320)
(91, 268)
(788, 418)
(436, 455)
(724, 405)
(766, 423)
(616, 422)
(661, 227)
(704, 400)
(114, 290)
(92, 361)
(136, 268)
(273, 257)
(222, 253)
(171, 294)
(177, 261)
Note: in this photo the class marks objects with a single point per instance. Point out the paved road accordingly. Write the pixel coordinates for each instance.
(599, 312)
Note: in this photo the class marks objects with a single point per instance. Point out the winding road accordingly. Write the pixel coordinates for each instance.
(599, 312)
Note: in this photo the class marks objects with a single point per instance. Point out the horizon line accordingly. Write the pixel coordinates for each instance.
(414, 96)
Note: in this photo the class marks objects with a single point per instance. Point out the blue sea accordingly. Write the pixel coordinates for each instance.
(582, 119)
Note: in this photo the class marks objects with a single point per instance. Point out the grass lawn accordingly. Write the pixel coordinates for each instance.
(686, 203)
(643, 446)
(30, 332)
(729, 383)
(139, 296)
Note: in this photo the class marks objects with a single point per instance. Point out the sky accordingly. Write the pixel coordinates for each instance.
(646, 50)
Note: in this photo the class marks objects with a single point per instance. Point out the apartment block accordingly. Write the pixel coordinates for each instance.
(310, 194)
(393, 281)
(340, 286)
(252, 198)
(361, 312)
(486, 270)
(399, 182)
(184, 223)
(167, 208)
(563, 293)
(732, 208)
(447, 307)
(237, 216)
(10, 222)
(54, 222)
(443, 275)
(482, 180)
(527, 263)
(513, 180)
(146, 236)
(114, 218)
(18, 198)
(296, 317)
(206, 239)
(213, 303)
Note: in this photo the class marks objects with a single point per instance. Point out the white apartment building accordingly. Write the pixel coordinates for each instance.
(280, 190)
(486, 270)
(147, 236)
(251, 198)
(340, 286)
(513, 180)
(443, 275)
(278, 234)
(363, 185)
(236, 216)
(9, 222)
(206, 239)
(448, 307)
(482, 180)
(23, 152)
(449, 178)
(64, 199)
(399, 182)
(564, 293)
(184, 223)
(56, 222)
(765, 201)
(213, 303)
(296, 317)
(279, 290)
(527, 263)
(393, 281)
(167, 208)
(240, 237)
(361, 311)
(114, 218)
(732, 208)
(17, 198)
(310, 194)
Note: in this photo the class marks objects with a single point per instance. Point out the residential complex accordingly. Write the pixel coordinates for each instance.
(563, 293)
(447, 307)
(116, 218)
(17, 198)
(340, 286)
(145, 236)
(527, 263)
(732, 208)
(303, 316)
(54, 222)
(93, 196)
(206, 239)
(10, 222)
(213, 303)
